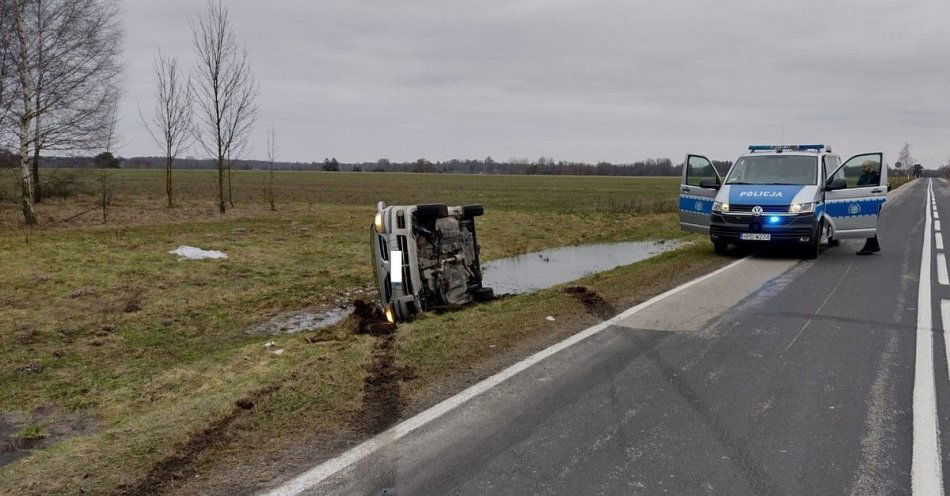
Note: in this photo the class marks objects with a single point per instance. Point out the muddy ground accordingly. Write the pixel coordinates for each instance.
(22, 432)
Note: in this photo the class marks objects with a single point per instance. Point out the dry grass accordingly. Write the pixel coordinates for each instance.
(99, 319)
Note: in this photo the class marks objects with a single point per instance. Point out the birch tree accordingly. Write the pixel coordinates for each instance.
(7, 68)
(224, 91)
(65, 55)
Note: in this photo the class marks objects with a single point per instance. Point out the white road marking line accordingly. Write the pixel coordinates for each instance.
(939, 241)
(944, 321)
(926, 470)
(330, 467)
(942, 269)
(936, 215)
(937, 225)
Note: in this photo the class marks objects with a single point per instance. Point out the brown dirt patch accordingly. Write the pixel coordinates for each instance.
(382, 404)
(595, 304)
(370, 319)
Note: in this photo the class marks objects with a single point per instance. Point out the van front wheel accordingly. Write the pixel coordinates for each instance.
(812, 248)
(720, 247)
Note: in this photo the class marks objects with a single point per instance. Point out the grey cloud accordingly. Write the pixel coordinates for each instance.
(578, 80)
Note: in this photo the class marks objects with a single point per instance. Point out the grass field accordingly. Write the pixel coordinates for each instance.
(895, 182)
(147, 359)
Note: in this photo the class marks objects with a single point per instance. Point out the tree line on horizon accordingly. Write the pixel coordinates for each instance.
(541, 166)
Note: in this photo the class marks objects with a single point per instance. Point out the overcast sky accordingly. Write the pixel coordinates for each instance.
(582, 80)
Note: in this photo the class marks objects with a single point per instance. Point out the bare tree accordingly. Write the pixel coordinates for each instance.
(66, 57)
(271, 160)
(110, 139)
(7, 68)
(170, 122)
(224, 90)
(904, 158)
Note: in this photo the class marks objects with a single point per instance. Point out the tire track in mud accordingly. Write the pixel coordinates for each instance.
(382, 400)
(181, 464)
(381, 406)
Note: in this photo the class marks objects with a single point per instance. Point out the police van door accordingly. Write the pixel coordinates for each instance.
(854, 194)
(698, 187)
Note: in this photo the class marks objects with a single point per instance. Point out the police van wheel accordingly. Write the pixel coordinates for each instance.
(811, 249)
(826, 235)
(720, 247)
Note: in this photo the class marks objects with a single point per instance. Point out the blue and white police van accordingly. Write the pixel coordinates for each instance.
(796, 194)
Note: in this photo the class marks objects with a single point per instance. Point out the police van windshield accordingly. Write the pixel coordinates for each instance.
(775, 169)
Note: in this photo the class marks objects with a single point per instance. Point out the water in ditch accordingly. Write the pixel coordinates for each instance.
(543, 269)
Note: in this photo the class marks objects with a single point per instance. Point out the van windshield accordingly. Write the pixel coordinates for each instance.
(775, 169)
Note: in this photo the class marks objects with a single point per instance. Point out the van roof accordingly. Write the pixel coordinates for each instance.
(782, 148)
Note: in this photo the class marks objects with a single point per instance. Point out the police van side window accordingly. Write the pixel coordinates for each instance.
(698, 169)
(831, 165)
(861, 172)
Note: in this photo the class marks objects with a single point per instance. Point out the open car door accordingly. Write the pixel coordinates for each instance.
(854, 195)
(698, 187)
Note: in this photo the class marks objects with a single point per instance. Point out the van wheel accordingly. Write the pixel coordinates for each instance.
(827, 235)
(721, 247)
(472, 210)
(433, 210)
(484, 294)
(810, 251)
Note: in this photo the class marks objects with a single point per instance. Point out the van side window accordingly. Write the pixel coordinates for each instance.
(698, 169)
(831, 164)
(861, 171)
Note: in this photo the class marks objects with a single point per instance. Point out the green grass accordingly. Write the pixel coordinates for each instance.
(144, 190)
(32, 431)
(112, 326)
(895, 182)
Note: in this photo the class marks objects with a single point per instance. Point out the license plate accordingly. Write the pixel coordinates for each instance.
(755, 236)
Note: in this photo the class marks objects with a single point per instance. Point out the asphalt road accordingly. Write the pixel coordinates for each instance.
(792, 377)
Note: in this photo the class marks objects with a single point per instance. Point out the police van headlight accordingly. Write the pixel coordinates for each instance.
(378, 223)
(720, 207)
(801, 208)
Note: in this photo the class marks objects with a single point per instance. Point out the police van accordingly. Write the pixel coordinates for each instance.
(794, 194)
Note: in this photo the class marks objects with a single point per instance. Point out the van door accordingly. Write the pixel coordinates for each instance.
(853, 210)
(695, 200)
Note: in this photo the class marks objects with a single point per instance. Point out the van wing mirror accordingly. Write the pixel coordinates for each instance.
(834, 184)
(709, 183)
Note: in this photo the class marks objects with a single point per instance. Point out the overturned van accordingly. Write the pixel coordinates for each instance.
(425, 257)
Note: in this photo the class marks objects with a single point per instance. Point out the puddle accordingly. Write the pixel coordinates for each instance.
(52, 425)
(534, 271)
(290, 323)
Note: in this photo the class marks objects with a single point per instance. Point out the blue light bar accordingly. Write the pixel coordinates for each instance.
(763, 148)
